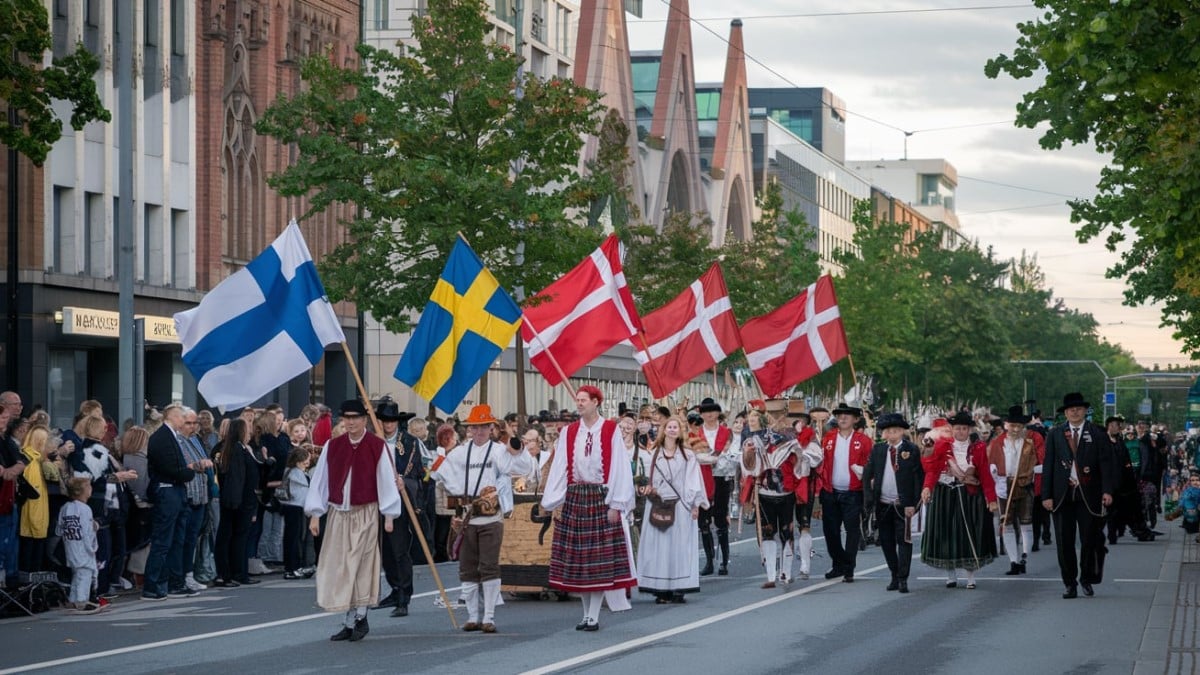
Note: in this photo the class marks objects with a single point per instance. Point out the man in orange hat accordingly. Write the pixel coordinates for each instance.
(473, 474)
(590, 479)
(354, 483)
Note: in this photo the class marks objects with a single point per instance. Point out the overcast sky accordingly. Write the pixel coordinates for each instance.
(921, 70)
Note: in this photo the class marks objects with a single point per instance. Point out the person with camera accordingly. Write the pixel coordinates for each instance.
(471, 474)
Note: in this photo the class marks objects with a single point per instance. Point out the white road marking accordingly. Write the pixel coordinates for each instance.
(648, 639)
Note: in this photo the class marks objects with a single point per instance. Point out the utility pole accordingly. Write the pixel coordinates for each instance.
(124, 30)
(518, 166)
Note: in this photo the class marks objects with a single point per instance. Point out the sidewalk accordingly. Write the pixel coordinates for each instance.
(1171, 641)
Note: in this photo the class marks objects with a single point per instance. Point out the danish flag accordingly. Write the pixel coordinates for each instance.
(688, 335)
(580, 316)
(801, 338)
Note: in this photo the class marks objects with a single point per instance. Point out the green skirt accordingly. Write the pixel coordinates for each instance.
(959, 533)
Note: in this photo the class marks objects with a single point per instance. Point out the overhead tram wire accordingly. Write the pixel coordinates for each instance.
(818, 15)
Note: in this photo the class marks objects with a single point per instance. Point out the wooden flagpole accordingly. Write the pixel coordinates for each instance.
(549, 354)
(412, 513)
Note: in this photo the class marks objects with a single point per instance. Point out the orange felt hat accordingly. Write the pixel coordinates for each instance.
(480, 415)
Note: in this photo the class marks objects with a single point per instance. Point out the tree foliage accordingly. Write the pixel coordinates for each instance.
(27, 89)
(1126, 76)
(435, 142)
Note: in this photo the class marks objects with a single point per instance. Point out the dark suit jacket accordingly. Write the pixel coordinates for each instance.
(909, 476)
(1095, 462)
(165, 459)
(239, 480)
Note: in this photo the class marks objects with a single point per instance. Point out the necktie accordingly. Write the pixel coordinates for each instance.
(892, 450)
(587, 446)
(1074, 438)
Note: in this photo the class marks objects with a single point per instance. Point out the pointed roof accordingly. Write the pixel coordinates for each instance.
(731, 161)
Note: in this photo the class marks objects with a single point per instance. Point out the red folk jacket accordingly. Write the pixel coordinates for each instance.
(977, 456)
(860, 453)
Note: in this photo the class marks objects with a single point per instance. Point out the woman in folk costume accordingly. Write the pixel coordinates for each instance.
(960, 491)
(354, 483)
(591, 480)
(667, 564)
(770, 460)
(1015, 456)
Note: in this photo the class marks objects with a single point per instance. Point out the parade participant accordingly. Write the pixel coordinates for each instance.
(354, 483)
(718, 488)
(820, 419)
(892, 482)
(1078, 479)
(1127, 504)
(960, 491)
(1152, 448)
(806, 489)
(396, 545)
(472, 474)
(589, 480)
(770, 460)
(667, 564)
(845, 454)
(1014, 458)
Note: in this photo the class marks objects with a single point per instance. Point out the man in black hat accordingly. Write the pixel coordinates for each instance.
(396, 546)
(846, 452)
(1152, 448)
(1126, 511)
(892, 483)
(719, 439)
(1079, 476)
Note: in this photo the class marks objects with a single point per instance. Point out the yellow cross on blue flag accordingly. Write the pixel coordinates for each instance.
(468, 321)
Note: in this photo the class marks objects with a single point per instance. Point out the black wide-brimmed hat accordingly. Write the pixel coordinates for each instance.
(889, 420)
(1114, 418)
(1016, 415)
(962, 418)
(709, 405)
(352, 407)
(1073, 400)
(843, 409)
(388, 411)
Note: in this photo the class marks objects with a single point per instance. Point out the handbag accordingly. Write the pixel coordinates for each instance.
(487, 503)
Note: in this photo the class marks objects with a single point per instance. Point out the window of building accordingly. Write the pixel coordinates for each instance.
(62, 255)
(91, 26)
(152, 245)
(537, 20)
(93, 212)
(178, 28)
(181, 258)
(382, 15)
(562, 40)
(65, 386)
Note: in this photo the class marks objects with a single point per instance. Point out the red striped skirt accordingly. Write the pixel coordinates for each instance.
(588, 553)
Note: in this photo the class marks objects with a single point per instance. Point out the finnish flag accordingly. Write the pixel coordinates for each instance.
(264, 325)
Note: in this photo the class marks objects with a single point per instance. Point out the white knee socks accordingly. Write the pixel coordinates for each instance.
(471, 595)
(785, 569)
(805, 550)
(770, 552)
(491, 593)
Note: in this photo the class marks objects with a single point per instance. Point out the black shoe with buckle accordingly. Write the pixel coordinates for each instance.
(592, 626)
(341, 635)
(1013, 569)
(360, 630)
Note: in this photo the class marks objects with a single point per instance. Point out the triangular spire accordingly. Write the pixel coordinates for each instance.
(732, 170)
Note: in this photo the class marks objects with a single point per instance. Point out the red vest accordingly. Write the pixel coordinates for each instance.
(343, 458)
(860, 452)
(608, 429)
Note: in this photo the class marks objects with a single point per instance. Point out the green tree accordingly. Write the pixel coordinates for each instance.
(435, 142)
(1126, 77)
(28, 89)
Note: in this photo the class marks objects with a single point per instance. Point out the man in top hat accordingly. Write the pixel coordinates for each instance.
(892, 481)
(590, 479)
(354, 483)
(1015, 459)
(1079, 476)
(719, 439)
(396, 545)
(473, 474)
(1126, 511)
(846, 452)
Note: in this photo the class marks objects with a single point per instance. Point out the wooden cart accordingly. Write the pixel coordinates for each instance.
(525, 550)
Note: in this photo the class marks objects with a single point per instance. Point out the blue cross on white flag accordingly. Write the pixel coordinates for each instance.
(264, 325)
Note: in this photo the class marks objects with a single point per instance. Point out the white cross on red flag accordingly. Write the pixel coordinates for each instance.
(688, 335)
(580, 316)
(801, 338)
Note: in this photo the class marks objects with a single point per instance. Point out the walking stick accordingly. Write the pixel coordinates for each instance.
(412, 513)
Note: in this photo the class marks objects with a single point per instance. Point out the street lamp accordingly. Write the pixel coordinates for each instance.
(1110, 392)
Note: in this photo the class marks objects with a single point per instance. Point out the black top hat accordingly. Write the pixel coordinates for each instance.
(1114, 418)
(962, 418)
(1016, 415)
(709, 405)
(843, 409)
(352, 407)
(388, 411)
(888, 420)
(1074, 400)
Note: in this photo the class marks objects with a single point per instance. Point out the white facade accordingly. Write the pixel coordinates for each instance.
(928, 185)
(82, 182)
(815, 185)
(550, 27)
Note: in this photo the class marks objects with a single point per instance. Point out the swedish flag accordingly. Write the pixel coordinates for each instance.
(468, 321)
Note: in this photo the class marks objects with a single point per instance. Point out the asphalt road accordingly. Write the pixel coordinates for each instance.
(1006, 625)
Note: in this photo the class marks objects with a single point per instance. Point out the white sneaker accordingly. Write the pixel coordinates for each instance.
(192, 584)
(125, 584)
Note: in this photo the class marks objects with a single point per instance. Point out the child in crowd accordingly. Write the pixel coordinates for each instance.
(1189, 506)
(291, 499)
(78, 532)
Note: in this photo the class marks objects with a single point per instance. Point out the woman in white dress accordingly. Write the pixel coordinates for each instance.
(668, 566)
